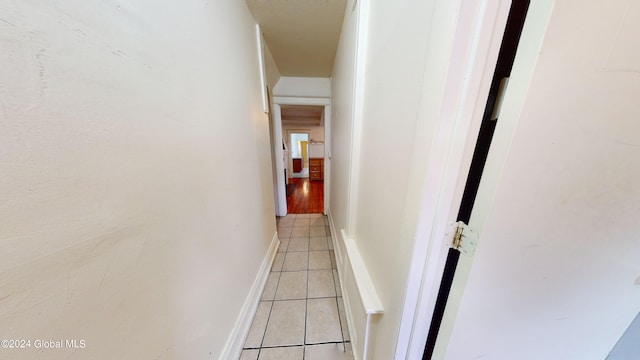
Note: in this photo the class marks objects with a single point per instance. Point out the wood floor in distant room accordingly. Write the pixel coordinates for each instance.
(305, 196)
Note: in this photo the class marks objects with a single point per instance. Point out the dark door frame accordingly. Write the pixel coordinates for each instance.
(506, 56)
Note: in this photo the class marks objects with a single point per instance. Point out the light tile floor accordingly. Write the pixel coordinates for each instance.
(301, 313)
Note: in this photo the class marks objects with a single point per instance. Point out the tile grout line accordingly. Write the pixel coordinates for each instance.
(264, 334)
(306, 301)
(306, 298)
(298, 345)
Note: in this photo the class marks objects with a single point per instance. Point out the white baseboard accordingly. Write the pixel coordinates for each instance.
(352, 266)
(233, 348)
(355, 350)
(334, 239)
(337, 250)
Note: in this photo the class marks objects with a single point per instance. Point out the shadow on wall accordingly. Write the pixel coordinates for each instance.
(628, 347)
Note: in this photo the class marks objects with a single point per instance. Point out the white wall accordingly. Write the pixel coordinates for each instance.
(567, 200)
(407, 58)
(124, 211)
(405, 61)
(342, 88)
(271, 68)
(273, 76)
(558, 204)
(303, 87)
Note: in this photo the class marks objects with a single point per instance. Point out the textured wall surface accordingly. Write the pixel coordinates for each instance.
(124, 217)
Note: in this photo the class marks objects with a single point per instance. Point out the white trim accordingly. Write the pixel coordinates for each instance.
(334, 239)
(236, 339)
(341, 266)
(281, 191)
(277, 118)
(327, 157)
(290, 100)
(263, 76)
(351, 260)
(480, 27)
(362, 31)
(368, 294)
(340, 247)
(348, 314)
(524, 65)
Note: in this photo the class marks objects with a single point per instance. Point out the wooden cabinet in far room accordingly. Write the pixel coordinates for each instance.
(316, 168)
(297, 165)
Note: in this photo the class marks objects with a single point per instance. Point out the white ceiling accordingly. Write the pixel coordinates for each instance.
(301, 34)
(298, 115)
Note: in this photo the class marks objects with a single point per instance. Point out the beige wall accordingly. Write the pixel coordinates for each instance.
(303, 87)
(273, 76)
(342, 87)
(271, 68)
(409, 46)
(402, 93)
(557, 209)
(125, 217)
(560, 169)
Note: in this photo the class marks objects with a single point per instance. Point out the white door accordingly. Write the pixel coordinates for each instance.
(556, 272)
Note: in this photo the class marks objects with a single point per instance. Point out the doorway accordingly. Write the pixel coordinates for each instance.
(305, 186)
(302, 126)
(299, 145)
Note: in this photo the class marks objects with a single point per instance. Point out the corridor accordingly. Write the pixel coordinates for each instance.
(301, 312)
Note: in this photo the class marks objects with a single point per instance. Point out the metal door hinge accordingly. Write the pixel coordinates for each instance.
(462, 237)
(497, 105)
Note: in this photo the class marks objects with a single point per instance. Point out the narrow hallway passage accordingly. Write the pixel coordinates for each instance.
(301, 312)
